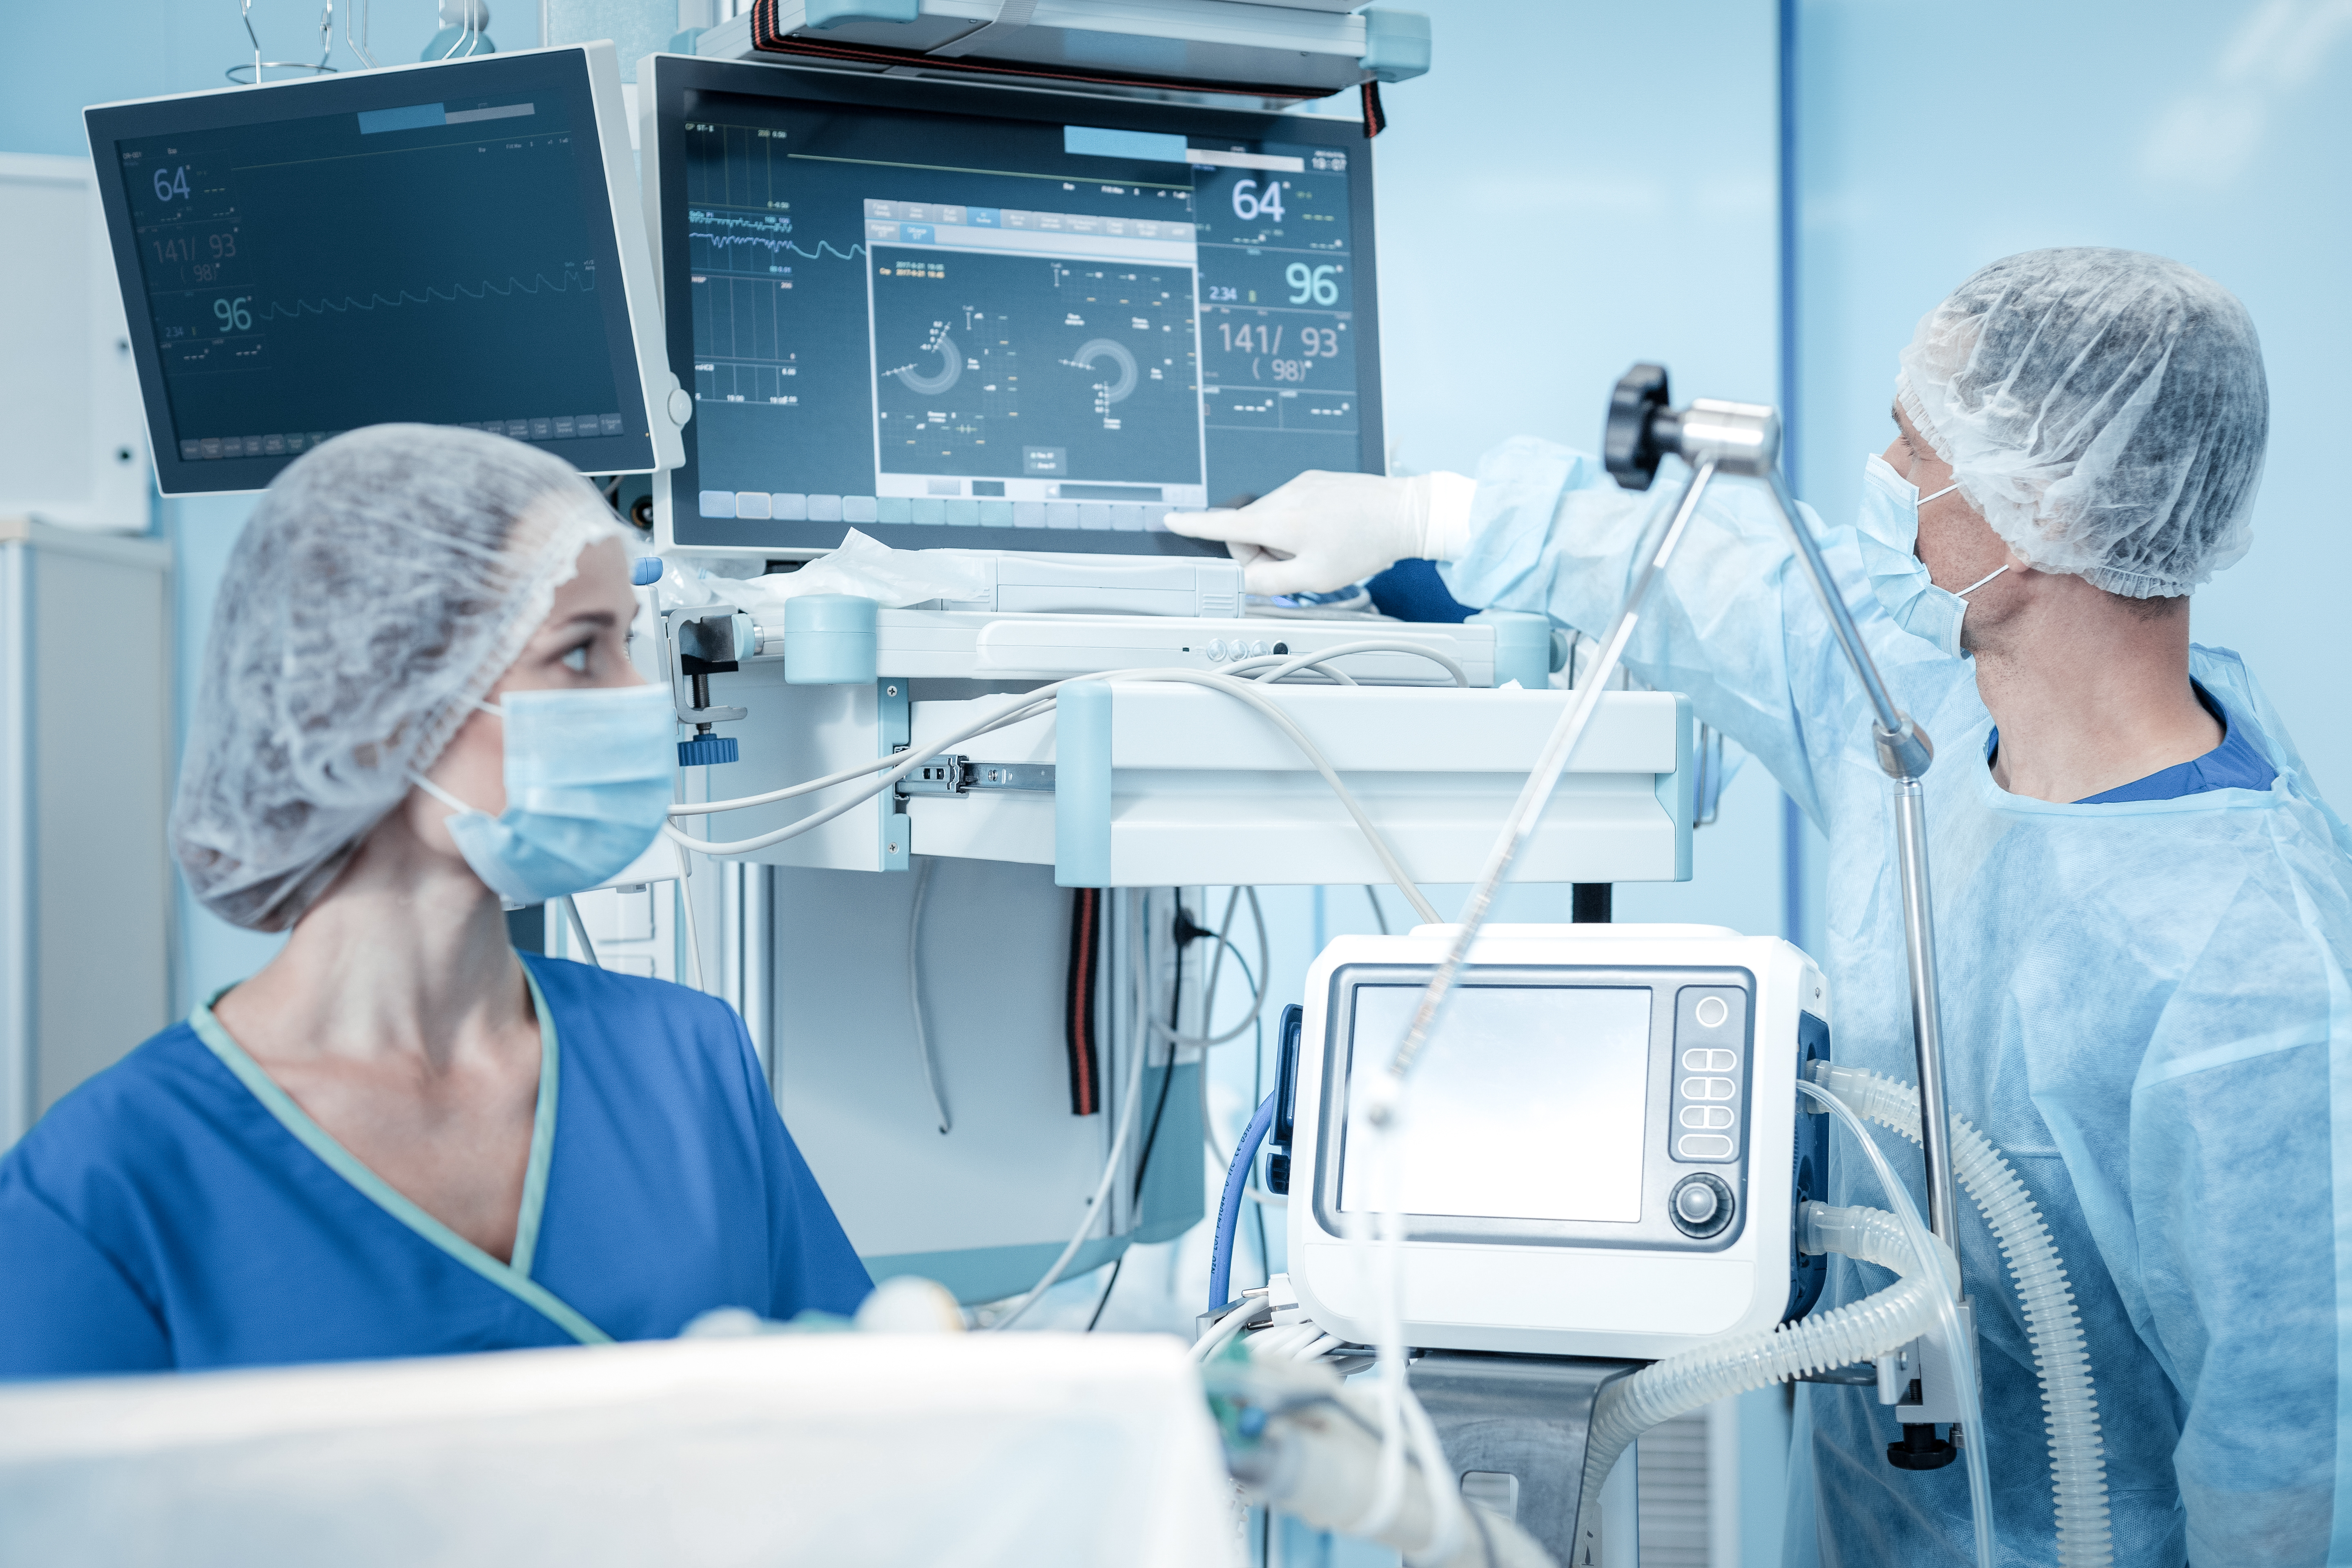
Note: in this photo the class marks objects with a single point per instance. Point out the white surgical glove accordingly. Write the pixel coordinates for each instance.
(1323, 531)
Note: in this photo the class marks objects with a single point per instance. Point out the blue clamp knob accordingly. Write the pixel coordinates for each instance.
(704, 750)
(646, 570)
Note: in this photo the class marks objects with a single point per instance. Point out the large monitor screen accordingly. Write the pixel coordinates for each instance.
(1528, 1102)
(434, 244)
(1038, 320)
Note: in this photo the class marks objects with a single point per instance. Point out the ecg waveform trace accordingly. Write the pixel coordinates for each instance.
(714, 236)
(584, 275)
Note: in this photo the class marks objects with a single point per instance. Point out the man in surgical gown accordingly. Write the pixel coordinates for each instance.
(2142, 914)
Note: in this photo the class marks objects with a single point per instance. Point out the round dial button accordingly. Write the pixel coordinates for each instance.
(1700, 1206)
(1711, 1012)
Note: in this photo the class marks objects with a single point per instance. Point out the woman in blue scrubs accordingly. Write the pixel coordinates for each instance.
(402, 1137)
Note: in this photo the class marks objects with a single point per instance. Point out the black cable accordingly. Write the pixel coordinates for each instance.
(1167, 1073)
(1103, 1300)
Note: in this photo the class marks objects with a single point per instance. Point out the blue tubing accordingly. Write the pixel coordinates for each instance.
(1229, 1207)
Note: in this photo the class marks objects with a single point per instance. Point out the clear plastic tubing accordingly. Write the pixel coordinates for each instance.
(1926, 1296)
(1860, 1331)
(2069, 1403)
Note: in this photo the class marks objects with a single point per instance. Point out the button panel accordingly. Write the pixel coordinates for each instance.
(1709, 1121)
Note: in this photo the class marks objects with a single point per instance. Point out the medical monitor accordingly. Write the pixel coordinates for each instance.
(996, 317)
(453, 243)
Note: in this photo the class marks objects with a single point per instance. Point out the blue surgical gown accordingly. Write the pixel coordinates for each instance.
(2144, 1007)
(179, 1210)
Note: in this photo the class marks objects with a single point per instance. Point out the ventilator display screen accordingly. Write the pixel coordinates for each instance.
(1040, 322)
(1529, 1103)
(432, 246)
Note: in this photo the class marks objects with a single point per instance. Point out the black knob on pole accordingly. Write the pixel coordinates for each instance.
(1629, 446)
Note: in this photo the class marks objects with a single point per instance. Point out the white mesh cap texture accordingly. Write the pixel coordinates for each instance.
(2105, 411)
(384, 584)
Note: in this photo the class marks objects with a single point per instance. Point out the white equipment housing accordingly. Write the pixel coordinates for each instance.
(1601, 1151)
(792, 1450)
(1285, 48)
(1201, 788)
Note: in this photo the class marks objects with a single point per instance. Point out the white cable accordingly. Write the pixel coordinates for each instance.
(914, 994)
(1025, 707)
(1284, 1339)
(579, 930)
(685, 904)
(1299, 662)
(1235, 1319)
(901, 764)
(1110, 1171)
(1245, 691)
(744, 803)
(1250, 667)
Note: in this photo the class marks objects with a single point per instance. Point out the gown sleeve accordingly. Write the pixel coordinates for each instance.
(66, 1310)
(1734, 625)
(812, 1265)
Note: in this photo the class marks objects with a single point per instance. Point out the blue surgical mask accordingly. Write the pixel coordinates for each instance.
(1889, 530)
(590, 775)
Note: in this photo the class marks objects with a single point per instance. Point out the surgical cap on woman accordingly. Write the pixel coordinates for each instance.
(2105, 411)
(384, 584)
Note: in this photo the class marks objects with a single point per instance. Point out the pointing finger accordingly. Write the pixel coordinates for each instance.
(1220, 524)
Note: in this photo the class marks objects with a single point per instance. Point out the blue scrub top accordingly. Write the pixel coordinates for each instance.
(179, 1210)
(2237, 763)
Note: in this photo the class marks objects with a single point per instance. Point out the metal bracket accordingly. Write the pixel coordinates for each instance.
(1927, 1362)
(894, 732)
(695, 648)
(953, 775)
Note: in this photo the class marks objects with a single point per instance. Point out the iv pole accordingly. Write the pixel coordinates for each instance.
(1745, 439)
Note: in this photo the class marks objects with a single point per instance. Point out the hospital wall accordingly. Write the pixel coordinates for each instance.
(1552, 212)
(1930, 139)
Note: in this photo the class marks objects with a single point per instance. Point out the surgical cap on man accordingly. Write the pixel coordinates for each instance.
(2105, 411)
(384, 584)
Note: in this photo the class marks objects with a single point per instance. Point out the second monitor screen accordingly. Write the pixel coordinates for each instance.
(905, 317)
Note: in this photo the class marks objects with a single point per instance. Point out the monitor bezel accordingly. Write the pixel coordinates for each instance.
(662, 112)
(108, 125)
